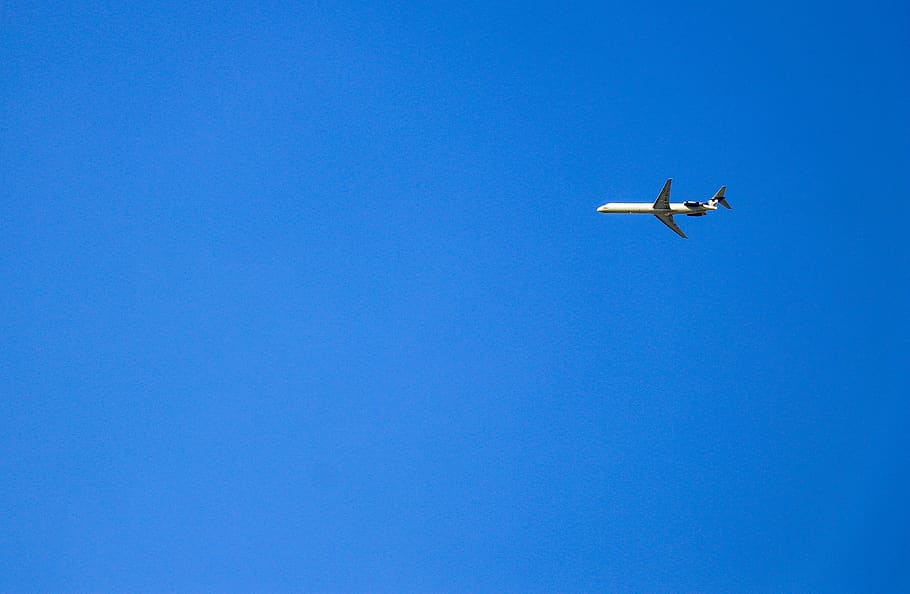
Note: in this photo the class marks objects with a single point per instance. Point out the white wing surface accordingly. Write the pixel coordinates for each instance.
(663, 199)
(667, 220)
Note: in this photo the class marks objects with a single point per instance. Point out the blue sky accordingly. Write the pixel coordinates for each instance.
(315, 298)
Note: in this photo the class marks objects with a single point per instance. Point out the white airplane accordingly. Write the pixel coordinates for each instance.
(663, 210)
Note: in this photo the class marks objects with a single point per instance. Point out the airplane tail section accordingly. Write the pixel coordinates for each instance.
(719, 197)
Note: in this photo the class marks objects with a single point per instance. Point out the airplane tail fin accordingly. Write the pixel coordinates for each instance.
(719, 197)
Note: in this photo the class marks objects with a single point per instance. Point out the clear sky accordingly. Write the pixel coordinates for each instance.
(314, 297)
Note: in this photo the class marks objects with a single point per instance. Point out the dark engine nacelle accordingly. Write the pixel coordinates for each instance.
(697, 214)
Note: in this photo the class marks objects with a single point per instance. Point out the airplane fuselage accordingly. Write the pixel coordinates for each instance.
(665, 210)
(692, 209)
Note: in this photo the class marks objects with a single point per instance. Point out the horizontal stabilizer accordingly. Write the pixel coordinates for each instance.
(719, 196)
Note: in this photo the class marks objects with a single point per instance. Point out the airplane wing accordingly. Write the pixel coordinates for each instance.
(667, 220)
(663, 199)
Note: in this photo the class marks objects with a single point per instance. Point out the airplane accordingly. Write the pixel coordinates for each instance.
(663, 210)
